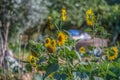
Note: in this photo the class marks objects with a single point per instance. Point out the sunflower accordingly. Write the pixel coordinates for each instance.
(32, 60)
(82, 50)
(90, 17)
(53, 42)
(50, 45)
(47, 42)
(63, 13)
(112, 53)
(51, 48)
(62, 37)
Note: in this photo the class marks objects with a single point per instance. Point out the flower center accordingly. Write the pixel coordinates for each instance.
(112, 52)
(60, 38)
(91, 17)
(47, 41)
(50, 49)
(32, 60)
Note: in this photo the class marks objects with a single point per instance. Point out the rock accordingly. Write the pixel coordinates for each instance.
(96, 42)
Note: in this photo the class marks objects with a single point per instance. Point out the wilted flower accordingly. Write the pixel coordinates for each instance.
(49, 23)
(51, 48)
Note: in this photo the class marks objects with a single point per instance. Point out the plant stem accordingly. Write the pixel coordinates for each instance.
(91, 71)
(57, 27)
(107, 70)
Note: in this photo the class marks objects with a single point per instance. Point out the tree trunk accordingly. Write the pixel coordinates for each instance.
(4, 31)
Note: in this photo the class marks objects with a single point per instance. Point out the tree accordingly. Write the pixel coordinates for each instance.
(15, 17)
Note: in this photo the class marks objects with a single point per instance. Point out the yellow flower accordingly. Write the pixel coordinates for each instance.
(50, 45)
(90, 17)
(53, 42)
(112, 53)
(49, 17)
(82, 50)
(62, 37)
(63, 13)
(51, 27)
(47, 42)
(32, 60)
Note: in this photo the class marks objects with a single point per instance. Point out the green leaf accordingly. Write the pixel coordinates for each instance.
(41, 60)
(80, 75)
(88, 30)
(111, 73)
(51, 68)
(77, 75)
(78, 55)
(28, 67)
(70, 53)
(116, 64)
(31, 42)
(118, 61)
(58, 76)
(91, 47)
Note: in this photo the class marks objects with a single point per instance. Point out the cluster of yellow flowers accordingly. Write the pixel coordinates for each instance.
(112, 53)
(51, 44)
(63, 13)
(90, 17)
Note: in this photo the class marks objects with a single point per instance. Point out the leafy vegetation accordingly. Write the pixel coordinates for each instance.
(53, 56)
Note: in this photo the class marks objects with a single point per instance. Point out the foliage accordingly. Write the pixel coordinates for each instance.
(60, 63)
(56, 55)
(23, 14)
(108, 15)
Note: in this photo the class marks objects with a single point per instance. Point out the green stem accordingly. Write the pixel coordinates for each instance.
(69, 65)
(61, 25)
(57, 27)
(107, 70)
(91, 71)
(93, 28)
